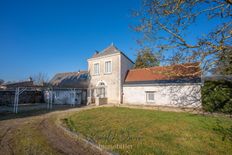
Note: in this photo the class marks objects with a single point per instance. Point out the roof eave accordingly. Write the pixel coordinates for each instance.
(193, 80)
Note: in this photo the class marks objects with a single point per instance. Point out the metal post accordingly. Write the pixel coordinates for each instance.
(74, 97)
(51, 100)
(48, 100)
(16, 100)
(18, 92)
(14, 109)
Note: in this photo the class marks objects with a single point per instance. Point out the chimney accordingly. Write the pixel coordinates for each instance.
(96, 52)
(30, 79)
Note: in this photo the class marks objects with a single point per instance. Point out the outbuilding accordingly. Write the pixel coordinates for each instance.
(68, 88)
(176, 86)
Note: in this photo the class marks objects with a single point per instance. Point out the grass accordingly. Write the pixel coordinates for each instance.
(137, 131)
(29, 141)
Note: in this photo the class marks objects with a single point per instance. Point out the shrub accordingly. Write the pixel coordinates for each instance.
(217, 96)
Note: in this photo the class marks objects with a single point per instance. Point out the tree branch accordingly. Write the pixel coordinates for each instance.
(175, 35)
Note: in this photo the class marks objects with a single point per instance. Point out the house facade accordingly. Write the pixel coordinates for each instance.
(114, 81)
(107, 71)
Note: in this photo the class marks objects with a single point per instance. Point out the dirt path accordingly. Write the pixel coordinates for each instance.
(40, 135)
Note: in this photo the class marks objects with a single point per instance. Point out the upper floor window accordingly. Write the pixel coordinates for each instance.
(96, 69)
(108, 67)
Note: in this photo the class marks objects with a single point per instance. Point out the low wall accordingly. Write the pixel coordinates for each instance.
(100, 101)
(7, 97)
(103, 101)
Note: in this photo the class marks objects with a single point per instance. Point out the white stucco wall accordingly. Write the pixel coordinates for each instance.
(114, 80)
(111, 80)
(176, 95)
(126, 65)
(63, 97)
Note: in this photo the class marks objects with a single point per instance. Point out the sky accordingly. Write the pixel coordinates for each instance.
(52, 36)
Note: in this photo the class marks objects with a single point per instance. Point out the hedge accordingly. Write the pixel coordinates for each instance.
(217, 96)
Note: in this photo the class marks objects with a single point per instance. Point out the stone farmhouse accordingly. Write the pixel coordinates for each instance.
(112, 79)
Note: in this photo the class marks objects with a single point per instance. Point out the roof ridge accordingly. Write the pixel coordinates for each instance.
(146, 68)
(73, 72)
(111, 49)
(182, 64)
(111, 45)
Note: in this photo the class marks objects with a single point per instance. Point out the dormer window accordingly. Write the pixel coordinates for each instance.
(108, 67)
(96, 69)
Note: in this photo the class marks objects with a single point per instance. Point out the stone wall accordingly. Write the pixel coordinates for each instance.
(7, 97)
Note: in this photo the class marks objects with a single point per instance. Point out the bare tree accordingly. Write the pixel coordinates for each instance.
(224, 65)
(40, 78)
(177, 58)
(166, 24)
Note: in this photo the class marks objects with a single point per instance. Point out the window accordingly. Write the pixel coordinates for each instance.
(108, 67)
(96, 69)
(101, 84)
(101, 90)
(150, 96)
(84, 76)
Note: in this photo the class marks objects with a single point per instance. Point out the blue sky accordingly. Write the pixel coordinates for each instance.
(59, 36)
(52, 36)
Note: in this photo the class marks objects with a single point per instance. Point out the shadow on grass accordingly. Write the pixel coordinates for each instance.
(225, 132)
(22, 113)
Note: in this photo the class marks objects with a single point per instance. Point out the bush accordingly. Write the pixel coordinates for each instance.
(217, 96)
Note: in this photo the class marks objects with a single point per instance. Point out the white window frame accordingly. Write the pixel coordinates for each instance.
(108, 72)
(94, 71)
(101, 90)
(147, 96)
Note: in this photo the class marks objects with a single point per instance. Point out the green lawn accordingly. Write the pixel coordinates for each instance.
(28, 140)
(137, 131)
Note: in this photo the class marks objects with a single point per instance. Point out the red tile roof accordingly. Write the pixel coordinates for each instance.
(174, 72)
